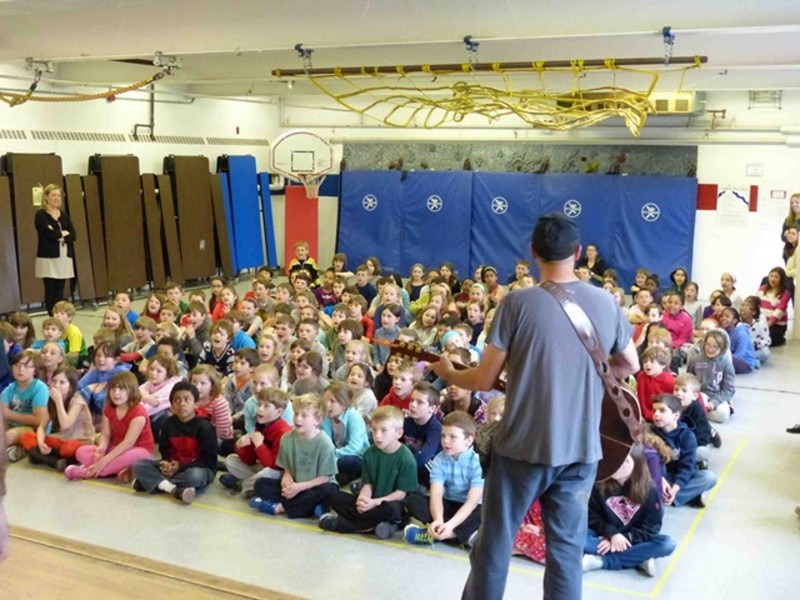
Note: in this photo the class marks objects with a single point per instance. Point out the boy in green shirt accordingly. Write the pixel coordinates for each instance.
(389, 472)
(308, 459)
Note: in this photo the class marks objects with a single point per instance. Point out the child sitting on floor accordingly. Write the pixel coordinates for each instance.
(454, 509)
(682, 482)
(346, 428)
(389, 473)
(257, 451)
(422, 430)
(713, 368)
(24, 403)
(653, 379)
(399, 396)
(625, 515)
(188, 447)
(308, 460)
(687, 390)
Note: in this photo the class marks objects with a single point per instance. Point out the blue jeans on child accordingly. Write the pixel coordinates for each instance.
(511, 486)
(661, 545)
(701, 481)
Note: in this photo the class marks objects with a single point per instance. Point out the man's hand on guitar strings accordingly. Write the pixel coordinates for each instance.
(443, 367)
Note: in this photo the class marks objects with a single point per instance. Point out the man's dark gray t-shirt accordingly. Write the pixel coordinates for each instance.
(553, 391)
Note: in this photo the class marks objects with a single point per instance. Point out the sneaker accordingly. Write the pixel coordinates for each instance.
(229, 481)
(414, 534)
(328, 522)
(126, 475)
(74, 472)
(185, 495)
(137, 487)
(385, 530)
(701, 501)
(472, 538)
(795, 429)
(318, 511)
(264, 506)
(648, 567)
(16, 453)
(590, 562)
(702, 465)
(716, 440)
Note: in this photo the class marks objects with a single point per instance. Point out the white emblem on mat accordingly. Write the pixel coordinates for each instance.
(435, 203)
(651, 212)
(499, 205)
(369, 203)
(572, 208)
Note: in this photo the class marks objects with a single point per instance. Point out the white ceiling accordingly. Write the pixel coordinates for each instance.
(229, 47)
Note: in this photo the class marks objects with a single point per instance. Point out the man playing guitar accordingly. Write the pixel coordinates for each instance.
(548, 444)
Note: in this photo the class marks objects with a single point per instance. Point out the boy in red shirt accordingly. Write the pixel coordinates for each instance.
(405, 376)
(653, 379)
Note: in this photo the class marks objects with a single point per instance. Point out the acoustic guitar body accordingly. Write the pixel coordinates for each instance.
(615, 433)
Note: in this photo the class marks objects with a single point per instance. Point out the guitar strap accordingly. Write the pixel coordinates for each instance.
(587, 334)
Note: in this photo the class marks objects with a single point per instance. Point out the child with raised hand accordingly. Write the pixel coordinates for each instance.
(196, 331)
(360, 380)
(211, 404)
(162, 376)
(125, 434)
(256, 452)
(654, 378)
(388, 474)
(188, 448)
(24, 403)
(24, 334)
(309, 370)
(93, 385)
(70, 417)
(308, 460)
(346, 428)
(422, 430)
(693, 414)
(399, 396)
(714, 369)
(217, 351)
(52, 331)
(683, 483)
(625, 516)
(453, 511)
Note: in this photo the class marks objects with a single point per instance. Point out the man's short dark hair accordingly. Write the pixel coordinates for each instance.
(555, 237)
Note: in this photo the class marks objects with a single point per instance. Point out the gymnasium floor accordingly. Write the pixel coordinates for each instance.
(743, 546)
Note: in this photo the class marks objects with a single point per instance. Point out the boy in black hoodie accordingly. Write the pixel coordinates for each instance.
(687, 390)
(682, 482)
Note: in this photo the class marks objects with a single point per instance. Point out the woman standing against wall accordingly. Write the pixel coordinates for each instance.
(596, 265)
(55, 249)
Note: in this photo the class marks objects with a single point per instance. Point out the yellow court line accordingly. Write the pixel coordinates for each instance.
(687, 538)
(282, 522)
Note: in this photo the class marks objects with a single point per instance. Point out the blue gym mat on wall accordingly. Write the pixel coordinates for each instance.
(244, 210)
(634, 221)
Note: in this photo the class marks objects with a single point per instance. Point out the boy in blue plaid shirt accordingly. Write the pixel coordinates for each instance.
(454, 509)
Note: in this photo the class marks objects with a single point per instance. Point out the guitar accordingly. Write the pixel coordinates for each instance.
(415, 352)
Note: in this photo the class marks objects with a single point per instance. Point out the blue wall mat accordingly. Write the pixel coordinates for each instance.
(654, 227)
(269, 221)
(370, 217)
(591, 201)
(245, 209)
(504, 211)
(226, 200)
(330, 186)
(436, 209)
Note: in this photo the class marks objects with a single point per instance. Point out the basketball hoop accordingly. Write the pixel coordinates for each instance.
(304, 157)
(311, 181)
